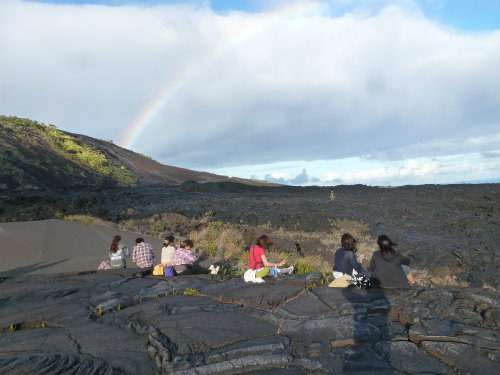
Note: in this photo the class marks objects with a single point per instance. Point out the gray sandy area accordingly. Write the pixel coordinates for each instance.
(52, 246)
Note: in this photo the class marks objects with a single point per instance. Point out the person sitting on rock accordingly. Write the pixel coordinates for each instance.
(388, 267)
(185, 262)
(168, 249)
(143, 255)
(117, 253)
(258, 261)
(345, 262)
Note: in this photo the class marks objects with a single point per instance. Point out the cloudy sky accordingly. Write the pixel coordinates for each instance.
(376, 92)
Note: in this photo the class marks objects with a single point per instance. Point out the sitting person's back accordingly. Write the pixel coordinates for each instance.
(143, 255)
(168, 250)
(117, 260)
(386, 265)
(117, 253)
(185, 262)
(345, 257)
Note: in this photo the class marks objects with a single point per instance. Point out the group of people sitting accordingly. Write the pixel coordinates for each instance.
(182, 259)
(388, 268)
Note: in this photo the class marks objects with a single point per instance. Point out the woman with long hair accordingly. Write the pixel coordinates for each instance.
(117, 253)
(390, 268)
(258, 260)
(345, 262)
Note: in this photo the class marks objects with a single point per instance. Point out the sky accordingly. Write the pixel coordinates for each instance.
(375, 92)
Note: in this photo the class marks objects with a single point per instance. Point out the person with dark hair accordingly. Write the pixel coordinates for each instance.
(143, 255)
(184, 261)
(117, 253)
(388, 267)
(168, 249)
(345, 259)
(258, 261)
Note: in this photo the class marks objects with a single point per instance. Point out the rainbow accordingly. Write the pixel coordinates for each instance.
(144, 119)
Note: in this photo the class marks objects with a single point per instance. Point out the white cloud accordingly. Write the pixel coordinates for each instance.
(407, 172)
(465, 167)
(332, 177)
(297, 84)
(439, 147)
(483, 140)
(278, 175)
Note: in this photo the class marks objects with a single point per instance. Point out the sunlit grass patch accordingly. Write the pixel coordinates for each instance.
(219, 240)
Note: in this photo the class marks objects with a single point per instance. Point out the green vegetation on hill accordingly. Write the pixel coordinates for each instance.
(23, 145)
(74, 148)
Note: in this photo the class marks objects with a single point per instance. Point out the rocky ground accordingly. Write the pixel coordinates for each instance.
(129, 322)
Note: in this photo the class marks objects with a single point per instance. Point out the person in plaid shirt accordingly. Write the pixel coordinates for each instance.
(183, 254)
(143, 255)
(184, 261)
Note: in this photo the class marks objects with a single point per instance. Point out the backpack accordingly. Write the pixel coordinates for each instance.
(158, 270)
(169, 271)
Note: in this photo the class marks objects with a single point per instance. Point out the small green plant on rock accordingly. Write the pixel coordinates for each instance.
(267, 226)
(129, 224)
(155, 229)
(192, 292)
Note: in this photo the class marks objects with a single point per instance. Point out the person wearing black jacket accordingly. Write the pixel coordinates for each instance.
(345, 258)
(388, 267)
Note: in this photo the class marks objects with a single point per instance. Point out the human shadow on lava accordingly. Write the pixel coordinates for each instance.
(368, 353)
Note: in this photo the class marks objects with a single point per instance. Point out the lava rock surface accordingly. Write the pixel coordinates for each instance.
(129, 322)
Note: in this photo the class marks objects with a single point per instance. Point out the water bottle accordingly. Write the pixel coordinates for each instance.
(275, 271)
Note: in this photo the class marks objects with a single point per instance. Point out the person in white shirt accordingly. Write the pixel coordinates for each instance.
(168, 249)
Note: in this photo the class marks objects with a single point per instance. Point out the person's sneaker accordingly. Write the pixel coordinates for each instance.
(287, 271)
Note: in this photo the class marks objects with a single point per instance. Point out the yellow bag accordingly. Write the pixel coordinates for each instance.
(340, 282)
(158, 270)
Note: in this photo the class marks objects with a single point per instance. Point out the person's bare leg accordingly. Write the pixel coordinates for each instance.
(410, 278)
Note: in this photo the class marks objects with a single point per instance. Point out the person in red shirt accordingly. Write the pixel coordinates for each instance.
(258, 260)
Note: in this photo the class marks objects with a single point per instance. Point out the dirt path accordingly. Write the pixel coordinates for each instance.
(50, 246)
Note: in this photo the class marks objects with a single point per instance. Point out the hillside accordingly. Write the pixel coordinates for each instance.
(37, 156)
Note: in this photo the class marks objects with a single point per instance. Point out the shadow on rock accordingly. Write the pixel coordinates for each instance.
(19, 271)
(366, 352)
